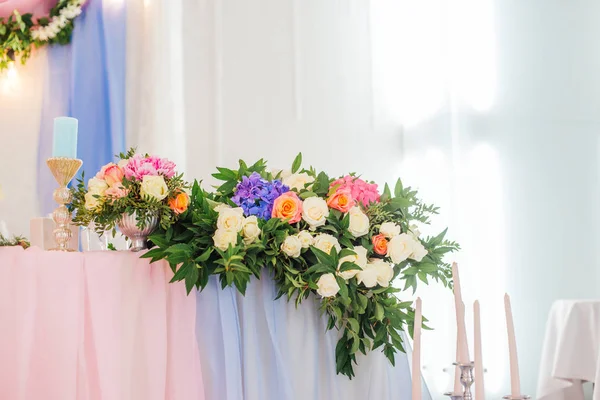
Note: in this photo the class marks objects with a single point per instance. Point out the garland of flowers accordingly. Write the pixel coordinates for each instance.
(14, 241)
(20, 33)
(339, 240)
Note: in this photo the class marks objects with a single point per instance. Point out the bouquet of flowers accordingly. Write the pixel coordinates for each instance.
(138, 183)
(339, 239)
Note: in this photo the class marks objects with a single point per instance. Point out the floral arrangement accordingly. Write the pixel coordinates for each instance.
(20, 33)
(339, 239)
(140, 183)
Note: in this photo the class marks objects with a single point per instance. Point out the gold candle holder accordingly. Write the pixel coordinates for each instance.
(64, 170)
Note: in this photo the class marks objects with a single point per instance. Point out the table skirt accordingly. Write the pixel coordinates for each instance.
(107, 325)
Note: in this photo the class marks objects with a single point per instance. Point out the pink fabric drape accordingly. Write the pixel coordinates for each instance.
(38, 8)
(92, 326)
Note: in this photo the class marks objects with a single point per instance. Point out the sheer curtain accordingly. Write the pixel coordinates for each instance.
(488, 107)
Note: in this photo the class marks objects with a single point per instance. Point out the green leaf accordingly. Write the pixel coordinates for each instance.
(343, 287)
(349, 266)
(378, 312)
(191, 278)
(204, 256)
(297, 163)
(398, 189)
(354, 325)
(181, 272)
(305, 195)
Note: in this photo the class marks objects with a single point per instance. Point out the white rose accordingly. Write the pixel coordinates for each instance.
(359, 222)
(328, 286)
(385, 271)
(389, 229)
(360, 259)
(292, 246)
(326, 242)
(91, 202)
(122, 163)
(401, 247)
(315, 212)
(223, 238)
(368, 276)
(97, 186)
(250, 229)
(418, 251)
(298, 181)
(231, 219)
(306, 238)
(154, 187)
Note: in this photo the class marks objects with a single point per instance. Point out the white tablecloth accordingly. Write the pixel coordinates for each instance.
(570, 354)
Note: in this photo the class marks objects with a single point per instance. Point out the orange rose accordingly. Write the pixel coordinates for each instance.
(380, 245)
(179, 203)
(341, 200)
(288, 206)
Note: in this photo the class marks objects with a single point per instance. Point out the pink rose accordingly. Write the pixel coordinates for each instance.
(111, 173)
(341, 200)
(116, 191)
(363, 192)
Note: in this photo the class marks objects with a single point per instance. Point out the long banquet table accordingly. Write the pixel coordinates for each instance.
(108, 325)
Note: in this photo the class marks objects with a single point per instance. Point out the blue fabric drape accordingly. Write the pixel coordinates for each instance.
(86, 80)
(255, 348)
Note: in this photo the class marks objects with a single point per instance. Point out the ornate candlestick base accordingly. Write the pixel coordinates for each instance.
(453, 396)
(64, 170)
(466, 378)
(521, 397)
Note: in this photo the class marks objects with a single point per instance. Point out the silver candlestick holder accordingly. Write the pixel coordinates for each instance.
(520, 397)
(453, 396)
(466, 380)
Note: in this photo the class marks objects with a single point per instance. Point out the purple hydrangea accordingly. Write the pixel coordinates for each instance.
(256, 195)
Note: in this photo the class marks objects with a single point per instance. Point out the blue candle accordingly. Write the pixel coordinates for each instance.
(65, 137)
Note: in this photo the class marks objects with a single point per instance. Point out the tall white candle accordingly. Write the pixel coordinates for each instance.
(463, 346)
(416, 356)
(479, 387)
(515, 380)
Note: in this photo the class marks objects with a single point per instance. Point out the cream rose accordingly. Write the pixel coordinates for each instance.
(292, 246)
(250, 229)
(368, 276)
(306, 238)
(231, 219)
(315, 212)
(97, 186)
(328, 286)
(122, 163)
(360, 259)
(326, 242)
(359, 222)
(418, 251)
(223, 238)
(298, 181)
(91, 202)
(154, 187)
(400, 248)
(385, 271)
(389, 229)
